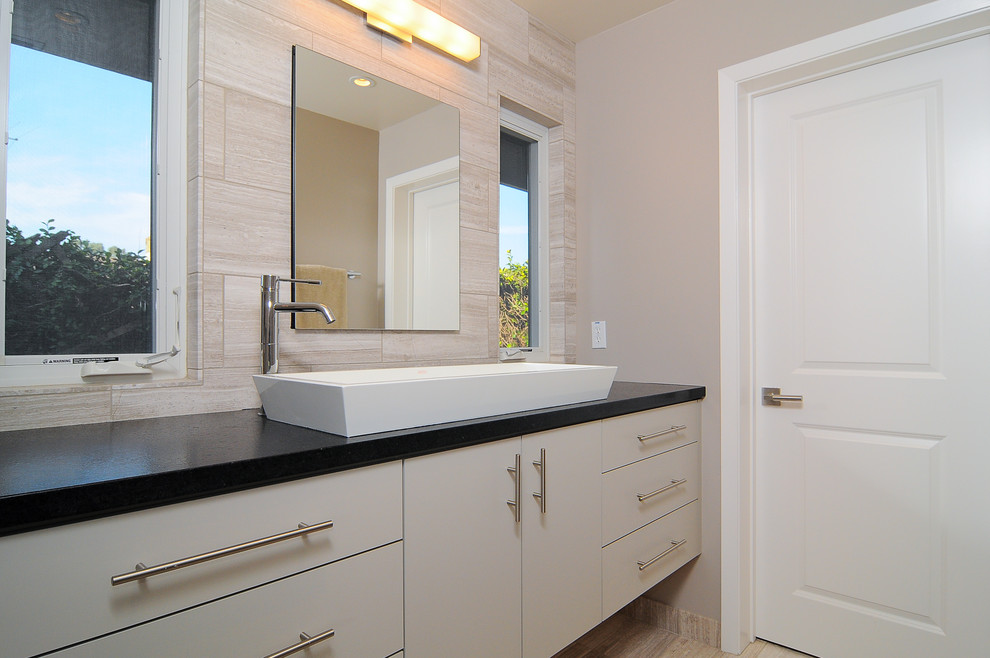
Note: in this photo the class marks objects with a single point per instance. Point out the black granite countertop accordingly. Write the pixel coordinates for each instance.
(61, 475)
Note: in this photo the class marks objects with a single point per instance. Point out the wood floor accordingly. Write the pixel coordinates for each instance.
(621, 636)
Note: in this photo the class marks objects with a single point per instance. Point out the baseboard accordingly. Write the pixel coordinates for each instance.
(674, 620)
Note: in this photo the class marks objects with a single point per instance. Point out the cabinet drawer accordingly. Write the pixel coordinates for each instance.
(359, 598)
(63, 574)
(627, 439)
(621, 490)
(624, 580)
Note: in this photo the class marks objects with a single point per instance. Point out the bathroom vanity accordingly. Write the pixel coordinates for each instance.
(230, 534)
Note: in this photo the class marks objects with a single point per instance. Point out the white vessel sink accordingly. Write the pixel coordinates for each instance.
(356, 402)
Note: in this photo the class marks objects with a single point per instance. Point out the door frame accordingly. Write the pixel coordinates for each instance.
(914, 30)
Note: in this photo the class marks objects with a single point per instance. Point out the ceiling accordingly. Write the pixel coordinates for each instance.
(580, 19)
(117, 35)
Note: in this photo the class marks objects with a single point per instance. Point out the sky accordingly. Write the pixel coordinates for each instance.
(73, 158)
(513, 225)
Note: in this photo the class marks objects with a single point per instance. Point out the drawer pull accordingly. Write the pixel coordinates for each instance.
(674, 545)
(674, 428)
(514, 504)
(541, 495)
(147, 572)
(306, 642)
(673, 483)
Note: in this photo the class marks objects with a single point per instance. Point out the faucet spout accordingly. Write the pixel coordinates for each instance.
(271, 307)
(304, 307)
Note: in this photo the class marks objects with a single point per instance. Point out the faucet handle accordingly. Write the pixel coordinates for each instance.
(270, 282)
(312, 282)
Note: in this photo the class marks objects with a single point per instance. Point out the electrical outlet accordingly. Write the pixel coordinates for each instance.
(598, 335)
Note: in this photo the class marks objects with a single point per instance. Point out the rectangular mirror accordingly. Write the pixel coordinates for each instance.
(375, 199)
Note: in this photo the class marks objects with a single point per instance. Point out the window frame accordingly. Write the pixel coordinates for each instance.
(168, 217)
(539, 230)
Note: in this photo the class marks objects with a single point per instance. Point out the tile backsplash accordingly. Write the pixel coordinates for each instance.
(239, 197)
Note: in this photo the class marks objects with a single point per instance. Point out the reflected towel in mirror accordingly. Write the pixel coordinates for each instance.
(333, 293)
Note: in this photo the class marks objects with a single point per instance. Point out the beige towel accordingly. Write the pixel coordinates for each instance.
(333, 293)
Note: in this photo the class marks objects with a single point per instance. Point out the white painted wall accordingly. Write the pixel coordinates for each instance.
(647, 203)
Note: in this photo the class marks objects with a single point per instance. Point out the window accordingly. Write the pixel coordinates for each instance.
(523, 239)
(93, 186)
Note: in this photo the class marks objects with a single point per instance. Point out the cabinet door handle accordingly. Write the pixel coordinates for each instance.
(674, 545)
(146, 572)
(541, 495)
(515, 470)
(673, 483)
(671, 430)
(306, 642)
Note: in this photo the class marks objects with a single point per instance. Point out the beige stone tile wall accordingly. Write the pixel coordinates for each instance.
(239, 196)
(675, 620)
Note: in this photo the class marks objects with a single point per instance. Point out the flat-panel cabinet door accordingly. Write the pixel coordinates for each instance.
(561, 529)
(359, 599)
(462, 553)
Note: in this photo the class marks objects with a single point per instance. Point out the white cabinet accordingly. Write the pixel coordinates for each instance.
(561, 567)
(642, 559)
(646, 490)
(57, 582)
(498, 549)
(463, 564)
(651, 519)
(353, 607)
(482, 581)
(629, 438)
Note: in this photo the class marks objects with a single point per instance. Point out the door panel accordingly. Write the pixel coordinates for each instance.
(852, 480)
(873, 308)
(871, 207)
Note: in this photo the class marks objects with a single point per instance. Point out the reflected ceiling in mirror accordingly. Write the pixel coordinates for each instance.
(375, 199)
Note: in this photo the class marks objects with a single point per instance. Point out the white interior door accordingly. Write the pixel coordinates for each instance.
(872, 281)
(435, 236)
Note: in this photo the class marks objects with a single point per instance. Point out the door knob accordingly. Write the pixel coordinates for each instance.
(772, 397)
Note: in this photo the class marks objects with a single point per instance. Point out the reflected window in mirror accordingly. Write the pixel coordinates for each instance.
(523, 239)
(90, 272)
(376, 193)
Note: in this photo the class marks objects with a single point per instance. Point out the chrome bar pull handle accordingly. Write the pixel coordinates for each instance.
(674, 545)
(772, 397)
(671, 430)
(541, 495)
(142, 572)
(673, 483)
(306, 641)
(516, 473)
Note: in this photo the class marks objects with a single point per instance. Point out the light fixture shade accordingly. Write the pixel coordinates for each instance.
(402, 18)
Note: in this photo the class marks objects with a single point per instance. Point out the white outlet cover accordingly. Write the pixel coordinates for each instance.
(598, 341)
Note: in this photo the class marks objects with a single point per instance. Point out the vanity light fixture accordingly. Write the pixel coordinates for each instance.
(405, 19)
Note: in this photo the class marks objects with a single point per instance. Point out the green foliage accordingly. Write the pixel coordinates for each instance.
(66, 295)
(513, 312)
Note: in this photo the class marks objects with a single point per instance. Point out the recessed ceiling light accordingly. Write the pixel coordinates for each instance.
(362, 82)
(70, 17)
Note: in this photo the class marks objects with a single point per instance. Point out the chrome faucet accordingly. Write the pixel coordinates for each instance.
(271, 307)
